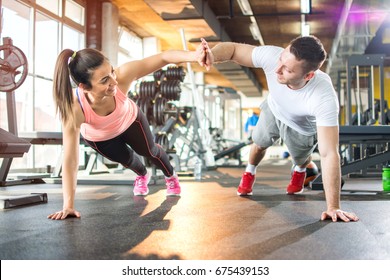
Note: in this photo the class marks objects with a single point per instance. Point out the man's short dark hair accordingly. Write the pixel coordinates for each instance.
(309, 49)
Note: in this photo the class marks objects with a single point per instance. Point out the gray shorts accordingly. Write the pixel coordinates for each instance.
(269, 129)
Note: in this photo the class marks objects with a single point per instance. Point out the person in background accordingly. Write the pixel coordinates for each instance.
(301, 108)
(250, 123)
(108, 120)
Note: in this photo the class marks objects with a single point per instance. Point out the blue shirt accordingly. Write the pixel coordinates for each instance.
(251, 121)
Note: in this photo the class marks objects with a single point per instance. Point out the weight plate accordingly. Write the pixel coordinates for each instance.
(13, 68)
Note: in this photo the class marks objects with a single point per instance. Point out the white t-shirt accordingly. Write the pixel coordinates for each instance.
(316, 104)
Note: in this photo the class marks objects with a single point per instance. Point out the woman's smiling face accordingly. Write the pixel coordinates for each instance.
(103, 80)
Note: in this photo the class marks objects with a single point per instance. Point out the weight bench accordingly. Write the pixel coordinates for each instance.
(12, 146)
(45, 138)
(42, 137)
(55, 138)
(354, 134)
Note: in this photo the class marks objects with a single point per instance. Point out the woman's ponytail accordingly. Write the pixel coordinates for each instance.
(62, 87)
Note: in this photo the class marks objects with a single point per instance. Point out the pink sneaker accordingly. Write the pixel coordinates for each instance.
(296, 183)
(141, 185)
(173, 186)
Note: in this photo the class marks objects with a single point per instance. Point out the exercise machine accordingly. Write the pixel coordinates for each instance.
(13, 72)
(362, 135)
(364, 140)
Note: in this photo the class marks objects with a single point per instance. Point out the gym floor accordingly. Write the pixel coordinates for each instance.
(208, 222)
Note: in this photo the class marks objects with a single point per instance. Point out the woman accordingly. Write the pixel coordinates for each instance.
(109, 122)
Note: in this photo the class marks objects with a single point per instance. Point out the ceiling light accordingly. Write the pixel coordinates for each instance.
(253, 27)
(306, 6)
(305, 29)
(245, 7)
(255, 31)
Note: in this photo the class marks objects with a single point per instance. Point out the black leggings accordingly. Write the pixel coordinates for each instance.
(139, 137)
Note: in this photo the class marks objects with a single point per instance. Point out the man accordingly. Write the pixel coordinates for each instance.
(301, 108)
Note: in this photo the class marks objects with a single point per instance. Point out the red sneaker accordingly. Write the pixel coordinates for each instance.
(246, 184)
(296, 183)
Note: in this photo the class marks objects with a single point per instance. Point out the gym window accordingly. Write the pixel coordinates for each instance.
(41, 29)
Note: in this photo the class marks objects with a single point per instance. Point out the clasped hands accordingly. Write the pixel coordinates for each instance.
(204, 55)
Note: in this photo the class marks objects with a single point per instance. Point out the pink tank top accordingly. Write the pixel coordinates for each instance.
(101, 128)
